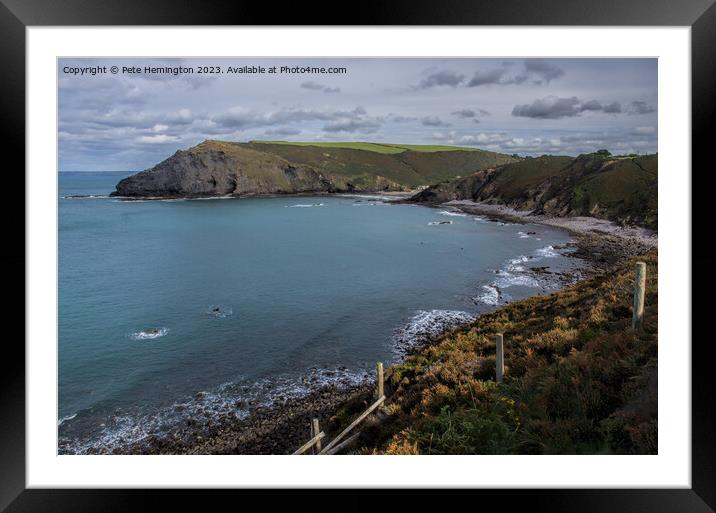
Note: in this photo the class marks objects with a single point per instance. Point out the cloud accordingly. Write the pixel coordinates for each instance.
(613, 108)
(549, 108)
(464, 113)
(553, 107)
(541, 71)
(401, 119)
(592, 105)
(493, 76)
(364, 126)
(469, 113)
(433, 121)
(442, 78)
(283, 131)
(313, 86)
(157, 139)
(534, 71)
(640, 107)
(644, 130)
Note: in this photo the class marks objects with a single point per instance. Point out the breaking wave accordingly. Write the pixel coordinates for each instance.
(452, 213)
(124, 431)
(149, 334)
(425, 326)
(306, 205)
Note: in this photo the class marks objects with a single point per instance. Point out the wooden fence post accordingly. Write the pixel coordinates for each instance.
(499, 358)
(380, 379)
(639, 290)
(314, 431)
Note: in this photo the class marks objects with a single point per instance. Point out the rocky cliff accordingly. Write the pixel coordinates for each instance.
(622, 189)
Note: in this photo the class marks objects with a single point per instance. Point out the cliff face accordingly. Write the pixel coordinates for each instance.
(621, 189)
(209, 170)
(215, 168)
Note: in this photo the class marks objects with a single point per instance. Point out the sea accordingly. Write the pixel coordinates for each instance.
(178, 308)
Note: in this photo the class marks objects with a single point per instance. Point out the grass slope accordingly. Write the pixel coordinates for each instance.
(578, 380)
(362, 163)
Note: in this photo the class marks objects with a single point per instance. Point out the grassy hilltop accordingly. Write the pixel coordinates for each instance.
(622, 189)
(219, 168)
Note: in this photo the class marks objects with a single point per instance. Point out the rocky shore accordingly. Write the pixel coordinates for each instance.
(602, 244)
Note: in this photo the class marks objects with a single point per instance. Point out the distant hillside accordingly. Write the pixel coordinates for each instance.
(622, 189)
(217, 168)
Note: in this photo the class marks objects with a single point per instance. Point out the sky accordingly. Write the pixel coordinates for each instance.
(136, 118)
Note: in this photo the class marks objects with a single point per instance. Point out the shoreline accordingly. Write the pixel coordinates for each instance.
(574, 225)
(282, 427)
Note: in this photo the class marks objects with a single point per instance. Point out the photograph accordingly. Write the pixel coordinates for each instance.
(357, 256)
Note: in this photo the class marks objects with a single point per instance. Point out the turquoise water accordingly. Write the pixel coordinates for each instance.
(169, 307)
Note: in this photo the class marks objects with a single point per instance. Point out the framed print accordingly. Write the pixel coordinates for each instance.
(429, 244)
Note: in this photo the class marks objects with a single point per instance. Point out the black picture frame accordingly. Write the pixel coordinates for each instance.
(17, 15)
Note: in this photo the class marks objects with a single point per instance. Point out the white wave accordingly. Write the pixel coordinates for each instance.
(435, 223)
(86, 196)
(427, 325)
(66, 418)
(305, 205)
(507, 279)
(232, 399)
(515, 264)
(452, 213)
(149, 334)
(547, 252)
(490, 296)
(523, 235)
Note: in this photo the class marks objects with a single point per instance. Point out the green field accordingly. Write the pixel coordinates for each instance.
(375, 147)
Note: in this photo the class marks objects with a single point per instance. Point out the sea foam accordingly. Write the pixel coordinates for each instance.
(425, 326)
(149, 334)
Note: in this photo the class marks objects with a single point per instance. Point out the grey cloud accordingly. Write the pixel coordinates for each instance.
(464, 113)
(640, 107)
(283, 131)
(469, 113)
(442, 78)
(542, 71)
(553, 107)
(433, 121)
(549, 108)
(592, 105)
(364, 126)
(484, 77)
(536, 71)
(401, 119)
(613, 108)
(313, 86)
